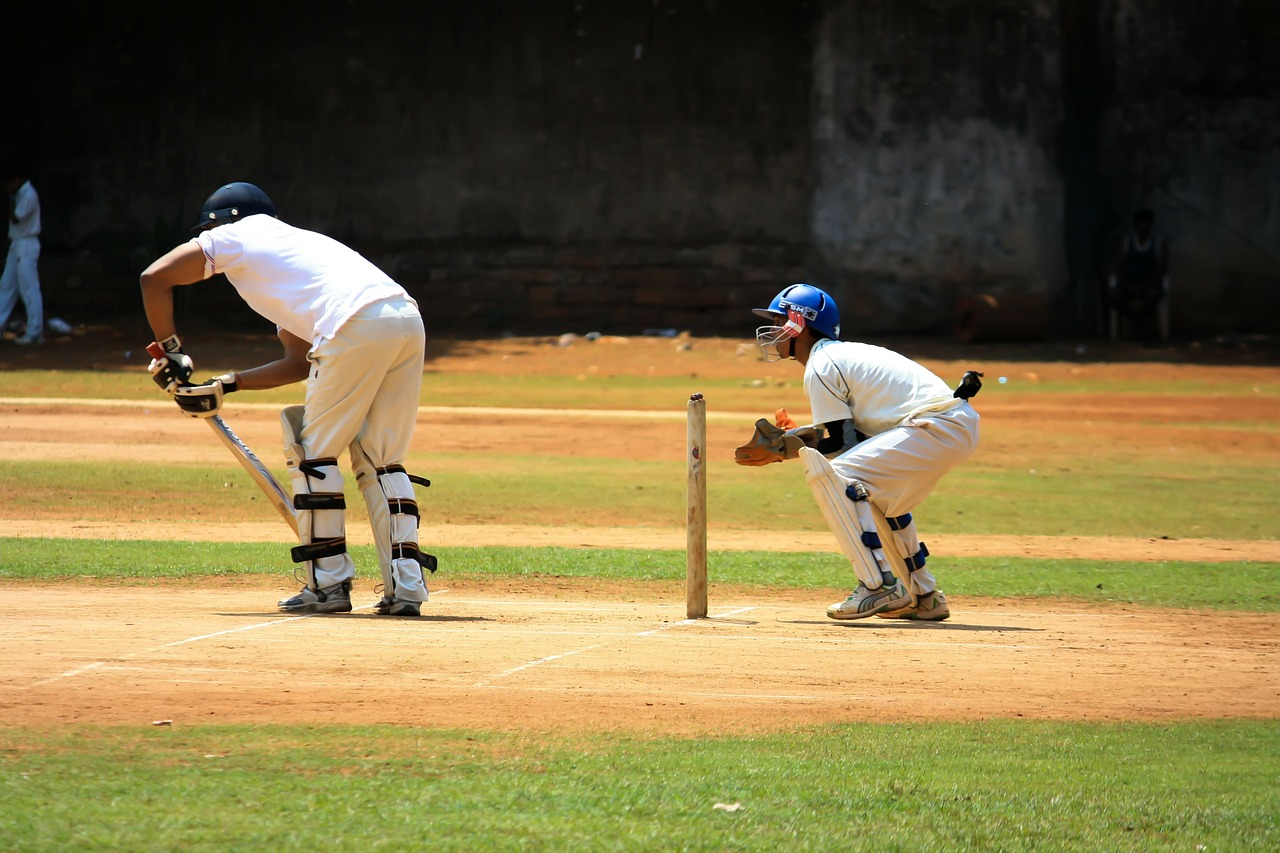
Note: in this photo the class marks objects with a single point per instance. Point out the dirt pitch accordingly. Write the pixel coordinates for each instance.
(553, 653)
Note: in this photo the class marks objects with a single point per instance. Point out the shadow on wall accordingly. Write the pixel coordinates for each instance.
(987, 318)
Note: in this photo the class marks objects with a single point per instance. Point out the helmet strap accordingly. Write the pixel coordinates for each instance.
(795, 324)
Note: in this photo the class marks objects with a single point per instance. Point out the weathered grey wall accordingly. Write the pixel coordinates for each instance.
(935, 134)
(1191, 129)
(575, 164)
(556, 165)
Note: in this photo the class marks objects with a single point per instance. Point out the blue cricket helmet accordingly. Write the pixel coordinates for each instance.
(813, 304)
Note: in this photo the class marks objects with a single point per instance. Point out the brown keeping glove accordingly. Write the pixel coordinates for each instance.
(771, 444)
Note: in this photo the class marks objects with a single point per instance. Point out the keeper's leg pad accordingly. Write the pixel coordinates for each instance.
(394, 516)
(906, 552)
(321, 510)
(851, 521)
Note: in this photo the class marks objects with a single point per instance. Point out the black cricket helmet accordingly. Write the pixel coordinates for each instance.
(233, 201)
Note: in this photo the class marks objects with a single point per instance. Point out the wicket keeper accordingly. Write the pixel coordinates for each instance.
(885, 432)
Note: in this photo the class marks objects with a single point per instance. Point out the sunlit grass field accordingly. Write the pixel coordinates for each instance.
(1002, 784)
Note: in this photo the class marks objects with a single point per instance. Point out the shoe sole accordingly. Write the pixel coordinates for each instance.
(936, 617)
(343, 607)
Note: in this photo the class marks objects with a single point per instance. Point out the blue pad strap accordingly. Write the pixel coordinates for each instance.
(917, 562)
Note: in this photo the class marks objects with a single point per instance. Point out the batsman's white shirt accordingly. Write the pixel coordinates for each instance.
(304, 282)
(918, 430)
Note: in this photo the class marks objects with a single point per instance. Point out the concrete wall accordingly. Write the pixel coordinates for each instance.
(1191, 129)
(934, 158)
(561, 165)
(570, 165)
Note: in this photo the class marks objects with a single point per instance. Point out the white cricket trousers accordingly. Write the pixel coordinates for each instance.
(21, 278)
(364, 384)
(900, 467)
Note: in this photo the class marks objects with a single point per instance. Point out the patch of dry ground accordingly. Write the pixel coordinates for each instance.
(585, 654)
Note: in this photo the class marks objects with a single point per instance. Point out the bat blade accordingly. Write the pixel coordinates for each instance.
(249, 460)
(259, 472)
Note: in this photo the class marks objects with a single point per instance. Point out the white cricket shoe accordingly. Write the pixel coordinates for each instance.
(331, 599)
(397, 607)
(863, 602)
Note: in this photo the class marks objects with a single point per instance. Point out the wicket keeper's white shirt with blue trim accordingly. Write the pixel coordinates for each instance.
(304, 282)
(877, 388)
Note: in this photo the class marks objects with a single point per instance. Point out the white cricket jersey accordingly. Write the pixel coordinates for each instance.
(877, 388)
(304, 282)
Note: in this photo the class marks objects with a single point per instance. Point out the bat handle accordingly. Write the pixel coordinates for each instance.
(155, 350)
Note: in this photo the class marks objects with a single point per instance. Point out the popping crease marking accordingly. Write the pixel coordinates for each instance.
(72, 673)
(98, 664)
(522, 667)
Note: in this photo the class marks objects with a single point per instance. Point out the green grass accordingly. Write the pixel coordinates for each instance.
(1006, 785)
(780, 385)
(1102, 496)
(1250, 586)
(937, 786)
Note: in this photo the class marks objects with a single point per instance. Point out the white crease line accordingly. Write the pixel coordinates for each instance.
(71, 674)
(694, 621)
(551, 658)
(104, 665)
(534, 663)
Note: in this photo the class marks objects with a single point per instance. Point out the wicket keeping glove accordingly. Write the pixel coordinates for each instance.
(770, 444)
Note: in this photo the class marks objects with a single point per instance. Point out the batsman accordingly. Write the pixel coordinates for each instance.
(357, 338)
(885, 432)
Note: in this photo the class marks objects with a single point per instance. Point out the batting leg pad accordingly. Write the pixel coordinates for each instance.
(321, 510)
(849, 515)
(907, 553)
(394, 517)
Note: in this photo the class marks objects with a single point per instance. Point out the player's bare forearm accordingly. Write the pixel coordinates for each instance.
(273, 374)
(292, 366)
(157, 302)
(182, 265)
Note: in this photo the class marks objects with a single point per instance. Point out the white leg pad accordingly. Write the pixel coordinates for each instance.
(393, 515)
(846, 519)
(321, 510)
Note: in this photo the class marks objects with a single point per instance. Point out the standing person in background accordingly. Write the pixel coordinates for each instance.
(357, 338)
(1138, 287)
(21, 278)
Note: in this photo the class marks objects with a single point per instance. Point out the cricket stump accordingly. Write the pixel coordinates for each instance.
(696, 518)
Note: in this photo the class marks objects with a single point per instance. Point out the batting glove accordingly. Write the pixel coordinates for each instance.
(200, 401)
(173, 368)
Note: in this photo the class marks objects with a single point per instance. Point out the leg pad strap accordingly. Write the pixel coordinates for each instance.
(318, 550)
(320, 500)
(399, 469)
(917, 562)
(899, 522)
(410, 550)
